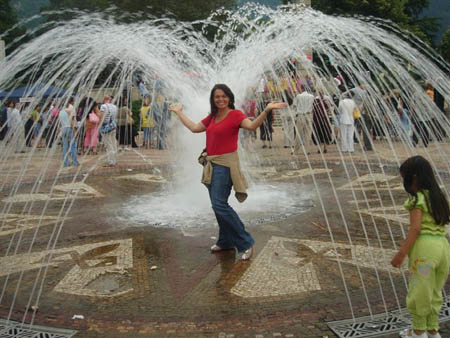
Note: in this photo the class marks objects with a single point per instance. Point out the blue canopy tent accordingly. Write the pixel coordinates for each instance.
(32, 91)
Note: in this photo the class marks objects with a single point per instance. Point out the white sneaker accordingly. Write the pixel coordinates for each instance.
(410, 333)
(247, 254)
(423, 335)
(436, 335)
(216, 248)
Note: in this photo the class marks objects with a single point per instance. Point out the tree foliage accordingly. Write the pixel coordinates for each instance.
(423, 26)
(7, 20)
(405, 13)
(444, 46)
(414, 8)
(182, 10)
(387, 9)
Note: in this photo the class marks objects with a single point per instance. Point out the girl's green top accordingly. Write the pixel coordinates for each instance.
(35, 115)
(429, 226)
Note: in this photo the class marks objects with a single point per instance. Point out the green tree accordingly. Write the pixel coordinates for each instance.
(444, 46)
(182, 10)
(388, 9)
(8, 19)
(424, 27)
(405, 13)
(134, 10)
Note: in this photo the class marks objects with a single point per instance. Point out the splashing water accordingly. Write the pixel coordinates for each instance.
(158, 209)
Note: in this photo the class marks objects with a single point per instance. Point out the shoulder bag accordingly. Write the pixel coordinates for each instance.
(109, 126)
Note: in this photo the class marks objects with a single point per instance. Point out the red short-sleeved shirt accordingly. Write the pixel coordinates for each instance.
(222, 137)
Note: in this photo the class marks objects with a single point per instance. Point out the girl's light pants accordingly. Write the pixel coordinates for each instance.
(429, 263)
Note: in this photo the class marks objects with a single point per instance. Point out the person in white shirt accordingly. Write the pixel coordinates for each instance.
(261, 85)
(16, 131)
(142, 89)
(303, 104)
(359, 95)
(347, 124)
(287, 119)
(363, 124)
(67, 122)
(109, 139)
(76, 125)
(70, 109)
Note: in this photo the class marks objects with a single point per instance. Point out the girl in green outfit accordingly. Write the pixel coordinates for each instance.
(426, 245)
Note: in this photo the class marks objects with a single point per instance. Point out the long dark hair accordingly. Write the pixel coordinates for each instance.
(288, 98)
(420, 168)
(86, 106)
(227, 92)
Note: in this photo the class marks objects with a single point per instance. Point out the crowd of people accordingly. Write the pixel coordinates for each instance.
(154, 118)
(313, 119)
(85, 126)
(344, 116)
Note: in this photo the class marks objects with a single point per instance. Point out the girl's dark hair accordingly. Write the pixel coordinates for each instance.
(86, 107)
(93, 105)
(420, 168)
(227, 92)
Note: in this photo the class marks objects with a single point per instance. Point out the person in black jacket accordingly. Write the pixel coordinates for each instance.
(3, 122)
(439, 100)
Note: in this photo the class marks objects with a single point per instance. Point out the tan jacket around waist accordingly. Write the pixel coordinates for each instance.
(231, 161)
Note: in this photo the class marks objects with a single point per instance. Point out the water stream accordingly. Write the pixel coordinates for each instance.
(253, 45)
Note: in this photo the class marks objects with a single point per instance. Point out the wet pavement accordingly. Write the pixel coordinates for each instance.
(132, 270)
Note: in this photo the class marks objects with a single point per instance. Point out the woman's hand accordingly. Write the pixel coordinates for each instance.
(194, 127)
(176, 108)
(398, 259)
(275, 105)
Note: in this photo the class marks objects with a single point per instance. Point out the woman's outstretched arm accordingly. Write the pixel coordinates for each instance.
(192, 126)
(256, 123)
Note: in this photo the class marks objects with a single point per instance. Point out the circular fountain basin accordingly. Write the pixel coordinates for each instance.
(265, 203)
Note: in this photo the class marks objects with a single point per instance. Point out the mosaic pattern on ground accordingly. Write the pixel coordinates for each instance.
(272, 173)
(380, 182)
(288, 266)
(99, 269)
(397, 213)
(144, 178)
(70, 190)
(12, 223)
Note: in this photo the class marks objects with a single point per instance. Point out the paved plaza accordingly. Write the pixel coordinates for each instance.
(129, 278)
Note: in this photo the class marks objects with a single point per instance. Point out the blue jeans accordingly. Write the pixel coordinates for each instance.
(37, 129)
(148, 134)
(162, 138)
(69, 141)
(231, 229)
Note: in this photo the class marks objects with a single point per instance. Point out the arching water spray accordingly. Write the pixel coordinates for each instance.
(281, 49)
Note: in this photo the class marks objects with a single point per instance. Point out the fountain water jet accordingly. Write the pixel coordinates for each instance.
(255, 42)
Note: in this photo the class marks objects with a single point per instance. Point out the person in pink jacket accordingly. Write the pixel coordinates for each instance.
(92, 127)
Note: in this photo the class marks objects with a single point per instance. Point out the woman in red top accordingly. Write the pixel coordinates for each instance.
(222, 131)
